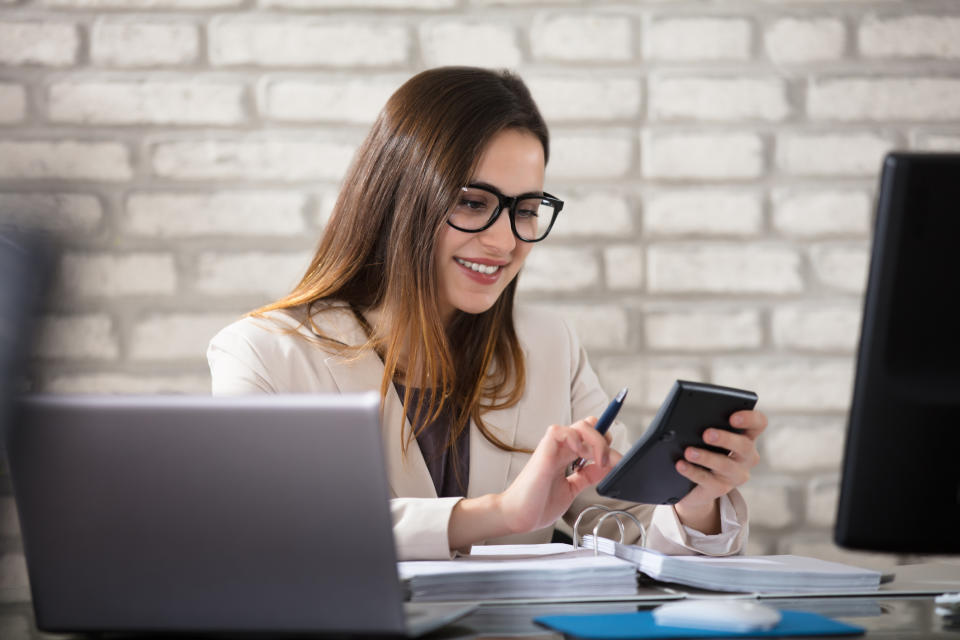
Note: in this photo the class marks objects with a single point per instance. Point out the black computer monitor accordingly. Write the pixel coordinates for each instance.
(900, 490)
(26, 260)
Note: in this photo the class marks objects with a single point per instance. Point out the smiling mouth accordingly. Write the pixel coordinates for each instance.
(485, 269)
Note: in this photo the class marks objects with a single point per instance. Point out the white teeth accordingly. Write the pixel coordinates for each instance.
(479, 268)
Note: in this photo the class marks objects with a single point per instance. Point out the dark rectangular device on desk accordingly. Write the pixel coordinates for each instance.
(901, 474)
(256, 514)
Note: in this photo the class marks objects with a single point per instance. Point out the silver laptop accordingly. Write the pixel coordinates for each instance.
(258, 514)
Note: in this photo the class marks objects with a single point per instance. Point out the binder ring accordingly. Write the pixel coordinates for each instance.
(596, 507)
(616, 513)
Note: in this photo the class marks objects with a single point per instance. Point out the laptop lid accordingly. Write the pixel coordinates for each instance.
(172, 513)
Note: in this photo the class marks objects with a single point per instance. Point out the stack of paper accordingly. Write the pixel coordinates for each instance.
(763, 574)
(534, 571)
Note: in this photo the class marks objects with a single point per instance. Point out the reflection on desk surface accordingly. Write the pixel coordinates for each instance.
(907, 618)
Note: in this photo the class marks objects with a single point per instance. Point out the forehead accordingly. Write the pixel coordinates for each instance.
(512, 162)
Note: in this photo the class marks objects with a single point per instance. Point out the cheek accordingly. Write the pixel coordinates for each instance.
(521, 252)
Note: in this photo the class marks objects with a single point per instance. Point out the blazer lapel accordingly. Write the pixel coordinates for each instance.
(408, 475)
(490, 465)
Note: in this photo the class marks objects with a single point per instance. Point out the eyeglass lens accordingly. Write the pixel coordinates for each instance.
(475, 207)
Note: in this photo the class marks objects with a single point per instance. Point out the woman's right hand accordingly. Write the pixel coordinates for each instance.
(542, 492)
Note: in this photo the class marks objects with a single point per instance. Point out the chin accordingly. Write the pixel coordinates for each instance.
(475, 307)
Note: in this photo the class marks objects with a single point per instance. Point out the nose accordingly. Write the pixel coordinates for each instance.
(499, 236)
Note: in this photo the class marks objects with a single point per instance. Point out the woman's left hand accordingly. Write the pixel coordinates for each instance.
(717, 473)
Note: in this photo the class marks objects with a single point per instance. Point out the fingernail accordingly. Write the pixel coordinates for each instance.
(681, 466)
(737, 421)
(693, 455)
(711, 436)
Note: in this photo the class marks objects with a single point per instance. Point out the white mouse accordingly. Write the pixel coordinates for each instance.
(717, 615)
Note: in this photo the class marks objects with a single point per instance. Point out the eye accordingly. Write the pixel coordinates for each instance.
(473, 205)
(527, 213)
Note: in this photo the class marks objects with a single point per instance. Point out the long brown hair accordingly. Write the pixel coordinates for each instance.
(378, 249)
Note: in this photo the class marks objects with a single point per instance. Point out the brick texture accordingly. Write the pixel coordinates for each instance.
(115, 43)
(13, 103)
(698, 39)
(718, 161)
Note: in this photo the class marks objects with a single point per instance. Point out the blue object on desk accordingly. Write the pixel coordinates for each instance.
(624, 626)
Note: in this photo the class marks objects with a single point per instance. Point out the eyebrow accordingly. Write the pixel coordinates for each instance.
(480, 183)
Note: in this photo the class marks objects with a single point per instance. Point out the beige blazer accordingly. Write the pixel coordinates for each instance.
(279, 354)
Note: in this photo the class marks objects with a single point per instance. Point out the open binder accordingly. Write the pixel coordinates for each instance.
(597, 567)
(753, 574)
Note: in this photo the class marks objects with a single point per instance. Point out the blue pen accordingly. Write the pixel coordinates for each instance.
(606, 419)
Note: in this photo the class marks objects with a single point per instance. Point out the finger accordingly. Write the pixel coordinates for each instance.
(741, 447)
(752, 422)
(596, 442)
(725, 468)
(564, 442)
(703, 478)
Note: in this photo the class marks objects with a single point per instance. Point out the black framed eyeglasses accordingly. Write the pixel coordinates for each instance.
(479, 205)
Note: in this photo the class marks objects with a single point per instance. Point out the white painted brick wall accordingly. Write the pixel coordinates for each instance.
(111, 275)
(142, 4)
(66, 213)
(910, 37)
(805, 40)
(283, 160)
(299, 42)
(562, 98)
(826, 327)
(353, 4)
(582, 37)
(701, 156)
(449, 42)
(176, 336)
(723, 268)
(936, 142)
(560, 269)
(13, 577)
(307, 100)
(791, 384)
(924, 99)
(242, 213)
(769, 501)
(703, 330)
(840, 266)
(53, 44)
(649, 379)
(186, 103)
(68, 159)
(824, 154)
(794, 444)
(91, 335)
(698, 39)
(131, 383)
(623, 265)
(122, 43)
(13, 103)
(600, 326)
(721, 99)
(821, 211)
(706, 211)
(822, 495)
(593, 213)
(15, 627)
(255, 273)
(590, 155)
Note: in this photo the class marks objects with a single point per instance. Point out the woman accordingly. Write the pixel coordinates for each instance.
(411, 292)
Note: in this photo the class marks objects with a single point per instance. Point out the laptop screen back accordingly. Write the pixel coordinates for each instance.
(260, 513)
